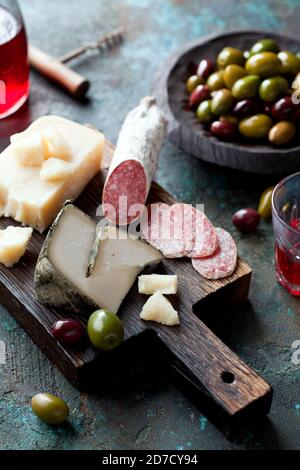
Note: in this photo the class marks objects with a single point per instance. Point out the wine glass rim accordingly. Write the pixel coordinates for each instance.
(274, 210)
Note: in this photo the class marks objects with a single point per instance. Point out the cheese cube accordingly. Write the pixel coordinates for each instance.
(25, 197)
(159, 309)
(55, 169)
(29, 149)
(151, 283)
(13, 244)
(55, 145)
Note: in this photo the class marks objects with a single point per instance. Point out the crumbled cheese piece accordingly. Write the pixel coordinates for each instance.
(159, 309)
(151, 283)
(55, 144)
(55, 169)
(29, 149)
(13, 244)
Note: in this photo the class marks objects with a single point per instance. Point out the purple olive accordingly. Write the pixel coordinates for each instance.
(283, 109)
(246, 220)
(67, 330)
(224, 130)
(244, 108)
(200, 94)
(205, 68)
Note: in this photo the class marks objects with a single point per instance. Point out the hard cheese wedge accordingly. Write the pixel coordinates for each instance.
(13, 244)
(27, 198)
(159, 309)
(60, 276)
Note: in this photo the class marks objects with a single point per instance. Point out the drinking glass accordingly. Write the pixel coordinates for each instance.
(14, 67)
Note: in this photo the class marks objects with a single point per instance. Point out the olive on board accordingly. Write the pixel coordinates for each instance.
(283, 109)
(222, 102)
(68, 330)
(255, 127)
(272, 87)
(264, 208)
(232, 73)
(49, 408)
(204, 113)
(290, 63)
(228, 56)
(246, 220)
(245, 108)
(216, 80)
(193, 82)
(205, 68)
(224, 130)
(246, 87)
(282, 132)
(264, 64)
(264, 45)
(105, 330)
(200, 93)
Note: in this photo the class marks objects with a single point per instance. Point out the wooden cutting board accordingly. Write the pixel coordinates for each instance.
(228, 388)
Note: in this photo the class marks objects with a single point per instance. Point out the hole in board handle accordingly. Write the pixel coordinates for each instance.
(227, 377)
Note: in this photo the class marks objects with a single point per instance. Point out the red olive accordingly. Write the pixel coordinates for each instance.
(224, 130)
(205, 68)
(283, 109)
(246, 220)
(67, 330)
(200, 93)
(244, 108)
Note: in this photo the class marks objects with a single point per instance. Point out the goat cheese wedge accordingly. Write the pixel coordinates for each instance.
(164, 283)
(25, 196)
(159, 309)
(60, 276)
(13, 244)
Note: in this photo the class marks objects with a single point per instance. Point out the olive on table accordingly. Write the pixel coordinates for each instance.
(246, 87)
(232, 73)
(264, 45)
(246, 220)
(255, 127)
(105, 330)
(222, 102)
(200, 93)
(229, 118)
(283, 109)
(264, 64)
(193, 82)
(224, 130)
(67, 330)
(264, 208)
(228, 56)
(245, 108)
(282, 133)
(205, 68)
(290, 63)
(272, 87)
(49, 408)
(204, 113)
(216, 80)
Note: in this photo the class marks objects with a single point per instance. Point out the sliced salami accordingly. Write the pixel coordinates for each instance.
(222, 263)
(134, 163)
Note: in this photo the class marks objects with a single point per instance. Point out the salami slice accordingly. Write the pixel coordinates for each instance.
(223, 262)
(134, 163)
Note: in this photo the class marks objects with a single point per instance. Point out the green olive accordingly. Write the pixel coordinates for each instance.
(272, 87)
(230, 55)
(282, 133)
(105, 330)
(255, 127)
(222, 102)
(298, 55)
(193, 82)
(232, 73)
(203, 112)
(265, 203)
(264, 45)
(290, 63)
(216, 80)
(246, 87)
(246, 55)
(264, 64)
(49, 408)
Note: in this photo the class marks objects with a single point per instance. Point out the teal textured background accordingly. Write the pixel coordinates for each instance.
(155, 414)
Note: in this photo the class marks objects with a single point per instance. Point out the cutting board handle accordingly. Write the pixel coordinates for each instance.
(229, 387)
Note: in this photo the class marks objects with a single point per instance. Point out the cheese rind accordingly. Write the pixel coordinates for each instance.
(32, 201)
(13, 244)
(164, 283)
(159, 309)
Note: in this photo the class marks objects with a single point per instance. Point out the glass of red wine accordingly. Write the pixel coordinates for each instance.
(14, 67)
(286, 223)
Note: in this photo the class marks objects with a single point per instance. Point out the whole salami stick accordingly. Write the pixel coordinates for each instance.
(134, 163)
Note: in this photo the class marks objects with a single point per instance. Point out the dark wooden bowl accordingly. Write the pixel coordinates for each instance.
(185, 130)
